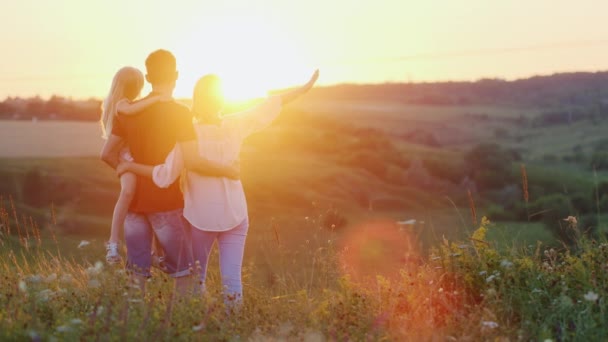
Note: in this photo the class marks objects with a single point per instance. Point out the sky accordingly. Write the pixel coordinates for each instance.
(74, 47)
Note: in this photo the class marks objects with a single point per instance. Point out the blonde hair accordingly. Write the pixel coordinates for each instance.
(127, 84)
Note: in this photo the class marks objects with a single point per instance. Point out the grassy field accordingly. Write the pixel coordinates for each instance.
(325, 259)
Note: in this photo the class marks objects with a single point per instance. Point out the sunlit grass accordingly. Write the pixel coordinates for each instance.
(312, 290)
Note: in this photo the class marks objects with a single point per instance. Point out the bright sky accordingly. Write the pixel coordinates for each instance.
(73, 47)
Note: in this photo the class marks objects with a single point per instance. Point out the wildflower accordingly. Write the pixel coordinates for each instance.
(591, 296)
(198, 327)
(490, 278)
(63, 328)
(76, 321)
(33, 335)
(489, 324)
(34, 278)
(482, 273)
(506, 263)
(83, 243)
(22, 286)
(66, 278)
(94, 270)
(45, 295)
(94, 283)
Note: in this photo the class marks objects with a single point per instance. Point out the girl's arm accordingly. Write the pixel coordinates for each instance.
(126, 107)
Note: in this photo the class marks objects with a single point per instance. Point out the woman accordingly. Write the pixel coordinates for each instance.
(216, 207)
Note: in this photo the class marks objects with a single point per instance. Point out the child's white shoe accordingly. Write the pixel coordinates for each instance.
(112, 255)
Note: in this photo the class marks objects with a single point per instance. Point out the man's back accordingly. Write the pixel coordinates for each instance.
(150, 136)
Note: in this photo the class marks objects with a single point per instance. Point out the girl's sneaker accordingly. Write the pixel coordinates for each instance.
(112, 255)
(158, 261)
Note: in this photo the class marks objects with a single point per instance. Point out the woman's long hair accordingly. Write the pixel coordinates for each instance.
(127, 84)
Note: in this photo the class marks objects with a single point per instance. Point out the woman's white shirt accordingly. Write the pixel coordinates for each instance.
(213, 203)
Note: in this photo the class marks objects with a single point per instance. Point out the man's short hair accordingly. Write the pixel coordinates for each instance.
(161, 67)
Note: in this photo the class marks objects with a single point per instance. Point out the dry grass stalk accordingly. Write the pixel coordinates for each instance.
(472, 205)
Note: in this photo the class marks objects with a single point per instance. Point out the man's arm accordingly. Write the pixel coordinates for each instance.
(194, 162)
(111, 150)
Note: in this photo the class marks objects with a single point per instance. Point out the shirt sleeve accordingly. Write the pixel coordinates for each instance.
(118, 128)
(185, 127)
(167, 173)
(256, 118)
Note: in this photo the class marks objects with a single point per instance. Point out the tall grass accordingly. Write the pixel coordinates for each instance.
(460, 290)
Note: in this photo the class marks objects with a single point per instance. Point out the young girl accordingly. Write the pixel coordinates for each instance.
(216, 207)
(126, 87)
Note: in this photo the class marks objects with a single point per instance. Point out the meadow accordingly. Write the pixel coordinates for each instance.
(326, 258)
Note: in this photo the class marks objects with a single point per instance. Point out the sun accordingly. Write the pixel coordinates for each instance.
(250, 55)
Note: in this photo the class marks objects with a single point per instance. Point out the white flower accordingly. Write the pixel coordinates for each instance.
(94, 270)
(45, 295)
(33, 335)
(482, 273)
(22, 286)
(198, 327)
(83, 243)
(51, 278)
(94, 283)
(490, 278)
(489, 324)
(66, 278)
(63, 328)
(591, 296)
(506, 263)
(76, 321)
(34, 278)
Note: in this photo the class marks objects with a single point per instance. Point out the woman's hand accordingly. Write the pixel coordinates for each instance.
(123, 168)
(312, 81)
(234, 171)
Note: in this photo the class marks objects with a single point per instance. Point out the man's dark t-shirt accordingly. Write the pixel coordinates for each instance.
(151, 135)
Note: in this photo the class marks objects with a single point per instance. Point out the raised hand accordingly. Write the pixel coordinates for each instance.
(312, 81)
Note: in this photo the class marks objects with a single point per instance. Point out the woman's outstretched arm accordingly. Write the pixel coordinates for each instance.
(293, 94)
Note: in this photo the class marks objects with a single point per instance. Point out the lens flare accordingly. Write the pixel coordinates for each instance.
(378, 248)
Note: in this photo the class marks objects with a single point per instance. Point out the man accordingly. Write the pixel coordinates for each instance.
(150, 136)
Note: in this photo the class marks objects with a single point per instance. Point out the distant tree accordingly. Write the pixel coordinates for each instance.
(489, 165)
(599, 161)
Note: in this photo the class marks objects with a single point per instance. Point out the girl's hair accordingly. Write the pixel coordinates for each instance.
(127, 84)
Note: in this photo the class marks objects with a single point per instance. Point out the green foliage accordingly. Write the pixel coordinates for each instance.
(599, 160)
(463, 291)
(490, 165)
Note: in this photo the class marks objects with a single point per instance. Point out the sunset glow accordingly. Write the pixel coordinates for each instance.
(72, 48)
